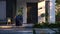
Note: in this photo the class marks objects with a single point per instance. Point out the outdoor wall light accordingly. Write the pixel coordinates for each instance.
(8, 21)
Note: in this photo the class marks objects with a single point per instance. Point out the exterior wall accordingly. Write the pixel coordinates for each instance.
(2, 10)
(41, 10)
(22, 3)
(52, 12)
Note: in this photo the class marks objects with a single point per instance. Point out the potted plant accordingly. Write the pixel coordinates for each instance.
(20, 11)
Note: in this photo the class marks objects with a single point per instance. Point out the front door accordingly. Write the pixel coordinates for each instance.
(32, 16)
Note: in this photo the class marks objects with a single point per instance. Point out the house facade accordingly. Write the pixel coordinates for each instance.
(31, 10)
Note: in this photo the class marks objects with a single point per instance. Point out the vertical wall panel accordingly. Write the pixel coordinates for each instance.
(41, 10)
(2, 9)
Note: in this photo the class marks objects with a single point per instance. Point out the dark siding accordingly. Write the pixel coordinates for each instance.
(10, 7)
(14, 8)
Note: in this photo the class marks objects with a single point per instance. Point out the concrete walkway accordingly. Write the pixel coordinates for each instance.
(25, 31)
(22, 30)
(13, 26)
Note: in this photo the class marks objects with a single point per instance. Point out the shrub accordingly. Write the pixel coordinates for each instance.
(47, 25)
(43, 25)
(34, 32)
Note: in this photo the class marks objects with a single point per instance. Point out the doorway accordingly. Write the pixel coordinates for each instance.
(32, 13)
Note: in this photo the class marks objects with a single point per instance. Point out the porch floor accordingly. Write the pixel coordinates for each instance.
(13, 25)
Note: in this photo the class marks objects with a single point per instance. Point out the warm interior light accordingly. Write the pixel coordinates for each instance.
(9, 20)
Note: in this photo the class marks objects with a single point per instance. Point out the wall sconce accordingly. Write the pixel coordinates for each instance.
(8, 21)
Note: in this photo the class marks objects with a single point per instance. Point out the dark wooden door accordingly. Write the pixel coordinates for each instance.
(32, 13)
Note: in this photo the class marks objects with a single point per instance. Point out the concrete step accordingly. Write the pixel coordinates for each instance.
(28, 25)
(13, 26)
